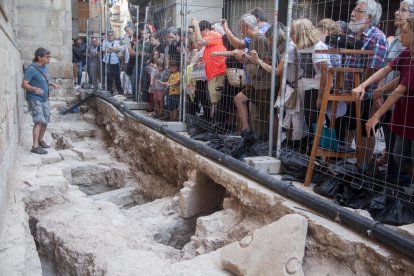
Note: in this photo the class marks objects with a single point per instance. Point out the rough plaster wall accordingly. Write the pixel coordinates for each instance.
(11, 103)
(48, 24)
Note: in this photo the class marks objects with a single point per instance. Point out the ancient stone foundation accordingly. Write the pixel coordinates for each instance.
(114, 197)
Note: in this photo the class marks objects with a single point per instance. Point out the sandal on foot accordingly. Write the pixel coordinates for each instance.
(39, 150)
(44, 145)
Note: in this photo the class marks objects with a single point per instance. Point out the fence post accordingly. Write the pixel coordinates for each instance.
(100, 48)
(273, 80)
(283, 82)
(142, 54)
(136, 54)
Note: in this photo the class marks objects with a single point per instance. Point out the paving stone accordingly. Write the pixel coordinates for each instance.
(266, 164)
(276, 249)
(51, 157)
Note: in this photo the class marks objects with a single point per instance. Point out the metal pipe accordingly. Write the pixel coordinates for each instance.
(283, 81)
(143, 54)
(273, 80)
(339, 214)
(136, 55)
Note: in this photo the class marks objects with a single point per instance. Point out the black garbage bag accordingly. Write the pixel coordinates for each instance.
(293, 163)
(353, 198)
(205, 136)
(192, 127)
(330, 187)
(390, 210)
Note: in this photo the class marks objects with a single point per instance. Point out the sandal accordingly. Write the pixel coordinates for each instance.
(44, 145)
(38, 150)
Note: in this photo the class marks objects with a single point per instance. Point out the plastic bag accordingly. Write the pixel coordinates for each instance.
(330, 187)
(389, 210)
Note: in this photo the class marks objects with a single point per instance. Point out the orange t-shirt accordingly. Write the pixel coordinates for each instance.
(214, 65)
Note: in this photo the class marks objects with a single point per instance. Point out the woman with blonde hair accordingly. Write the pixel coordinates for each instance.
(314, 65)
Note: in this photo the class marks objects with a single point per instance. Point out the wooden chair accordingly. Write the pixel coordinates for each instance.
(335, 98)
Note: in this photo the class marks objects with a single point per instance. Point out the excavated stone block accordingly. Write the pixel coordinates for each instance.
(266, 164)
(276, 249)
(51, 157)
(45, 192)
(85, 154)
(136, 105)
(198, 198)
(69, 154)
(90, 117)
(121, 197)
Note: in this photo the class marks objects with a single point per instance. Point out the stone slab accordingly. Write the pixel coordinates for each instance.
(120, 197)
(51, 157)
(276, 249)
(266, 164)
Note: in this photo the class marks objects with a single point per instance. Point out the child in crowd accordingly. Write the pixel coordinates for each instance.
(173, 97)
(151, 69)
(402, 99)
(158, 77)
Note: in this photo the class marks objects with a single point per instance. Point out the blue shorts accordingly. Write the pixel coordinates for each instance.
(173, 102)
(40, 111)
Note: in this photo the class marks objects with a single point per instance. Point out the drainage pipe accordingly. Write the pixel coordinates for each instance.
(374, 229)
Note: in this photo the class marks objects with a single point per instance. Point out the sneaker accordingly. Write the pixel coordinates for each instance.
(44, 145)
(38, 150)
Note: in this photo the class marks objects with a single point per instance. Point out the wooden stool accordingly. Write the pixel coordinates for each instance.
(335, 98)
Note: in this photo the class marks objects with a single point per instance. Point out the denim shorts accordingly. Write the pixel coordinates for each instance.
(173, 102)
(40, 111)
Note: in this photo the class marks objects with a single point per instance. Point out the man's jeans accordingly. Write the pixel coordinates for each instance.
(80, 64)
(114, 74)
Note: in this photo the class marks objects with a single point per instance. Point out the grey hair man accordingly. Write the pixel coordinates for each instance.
(36, 83)
(364, 20)
(258, 91)
(254, 19)
(111, 48)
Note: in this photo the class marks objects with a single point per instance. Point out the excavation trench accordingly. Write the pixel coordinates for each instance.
(118, 198)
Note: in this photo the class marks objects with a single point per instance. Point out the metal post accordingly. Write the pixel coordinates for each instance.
(182, 63)
(87, 49)
(184, 109)
(100, 47)
(136, 55)
(142, 54)
(273, 80)
(283, 82)
(106, 48)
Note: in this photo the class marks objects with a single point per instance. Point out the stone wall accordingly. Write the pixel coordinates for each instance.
(48, 24)
(11, 102)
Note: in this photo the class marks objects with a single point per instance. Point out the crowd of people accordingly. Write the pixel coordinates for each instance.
(228, 78)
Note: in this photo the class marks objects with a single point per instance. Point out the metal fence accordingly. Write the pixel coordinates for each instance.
(289, 90)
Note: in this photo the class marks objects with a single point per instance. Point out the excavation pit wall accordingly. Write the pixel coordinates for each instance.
(162, 166)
